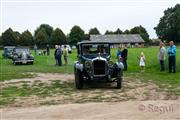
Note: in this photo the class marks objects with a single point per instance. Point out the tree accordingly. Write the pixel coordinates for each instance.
(41, 38)
(26, 39)
(118, 31)
(94, 31)
(1, 41)
(126, 32)
(58, 37)
(141, 31)
(86, 37)
(109, 32)
(168, 27)
(9, 38)
(76, 35)
(18, 36)
(48, 30)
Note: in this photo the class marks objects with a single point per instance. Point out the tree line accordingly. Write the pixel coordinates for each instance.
(168, 27)
(45, 34)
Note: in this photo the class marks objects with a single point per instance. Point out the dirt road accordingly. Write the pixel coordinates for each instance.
(141, 110)
(136, 100)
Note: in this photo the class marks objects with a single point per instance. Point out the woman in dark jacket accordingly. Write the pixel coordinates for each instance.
(55, 54)
(59, 54)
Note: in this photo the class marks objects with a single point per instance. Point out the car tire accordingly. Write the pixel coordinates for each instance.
(119, 79)
(78, 79)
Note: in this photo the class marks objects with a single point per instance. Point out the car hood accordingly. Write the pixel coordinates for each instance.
(24, 55)
(92, 58)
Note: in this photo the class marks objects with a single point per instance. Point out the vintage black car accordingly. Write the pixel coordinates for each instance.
(94, 64)
(22, 55)
(8, 50)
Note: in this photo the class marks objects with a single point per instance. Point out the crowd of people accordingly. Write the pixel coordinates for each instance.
(171, 53)
(43, 52)
(58, 53)
(122, 56)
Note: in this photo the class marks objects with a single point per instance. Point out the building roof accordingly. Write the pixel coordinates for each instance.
(116, 39)
(94, 42)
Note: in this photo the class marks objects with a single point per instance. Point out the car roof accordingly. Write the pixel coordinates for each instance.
(9, 46)
(22, 47)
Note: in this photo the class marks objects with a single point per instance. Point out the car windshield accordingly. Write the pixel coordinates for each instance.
(95, 49)
(9, 50)
(20, 50)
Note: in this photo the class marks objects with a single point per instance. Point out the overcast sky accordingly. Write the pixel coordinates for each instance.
(103, 14)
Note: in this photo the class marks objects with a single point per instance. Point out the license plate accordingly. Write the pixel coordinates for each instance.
(24, 62)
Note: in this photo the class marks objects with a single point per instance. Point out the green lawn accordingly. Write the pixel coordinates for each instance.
(168, 82)
(42, 64)
(46, 64)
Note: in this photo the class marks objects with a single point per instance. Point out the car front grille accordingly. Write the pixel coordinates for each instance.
(99, 67)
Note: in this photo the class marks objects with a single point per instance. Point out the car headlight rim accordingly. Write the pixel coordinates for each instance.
(111, 63)
(88, 64)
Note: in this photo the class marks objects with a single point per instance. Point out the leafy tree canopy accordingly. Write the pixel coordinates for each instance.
(58, 37)
(76, 35)
(26, 39)
(126, 32)
(41, 38)
(94, 31)
(48, 29)
(9, 38)
(141, 31)
(168, 27)
(108, 32)
(118, 31)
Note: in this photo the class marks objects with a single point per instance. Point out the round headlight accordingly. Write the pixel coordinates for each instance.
(88, 64)
(111, 63)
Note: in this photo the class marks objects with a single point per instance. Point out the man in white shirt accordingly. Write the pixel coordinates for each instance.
(161, 55)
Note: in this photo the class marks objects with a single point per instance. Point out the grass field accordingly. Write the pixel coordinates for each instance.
(46, 64)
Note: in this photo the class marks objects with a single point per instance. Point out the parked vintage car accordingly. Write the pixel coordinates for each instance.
(8, 50)
(22, 55)
(94, 64)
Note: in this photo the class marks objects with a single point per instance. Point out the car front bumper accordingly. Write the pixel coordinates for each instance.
(23, 61)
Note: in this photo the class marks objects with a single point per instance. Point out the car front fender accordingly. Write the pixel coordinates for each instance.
(120, 65)
(78, 66)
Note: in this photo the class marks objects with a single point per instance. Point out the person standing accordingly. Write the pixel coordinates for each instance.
(172, 57)
(124, 55)
(48, 49)
(35, 49)
(142, 61)
(55, 54)
(118, 54)
(59, 53)
(65, 54)
(161, 55)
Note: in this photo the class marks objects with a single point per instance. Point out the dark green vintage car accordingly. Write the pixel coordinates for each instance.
(22, 55)
(94, 64)
(8, 50)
